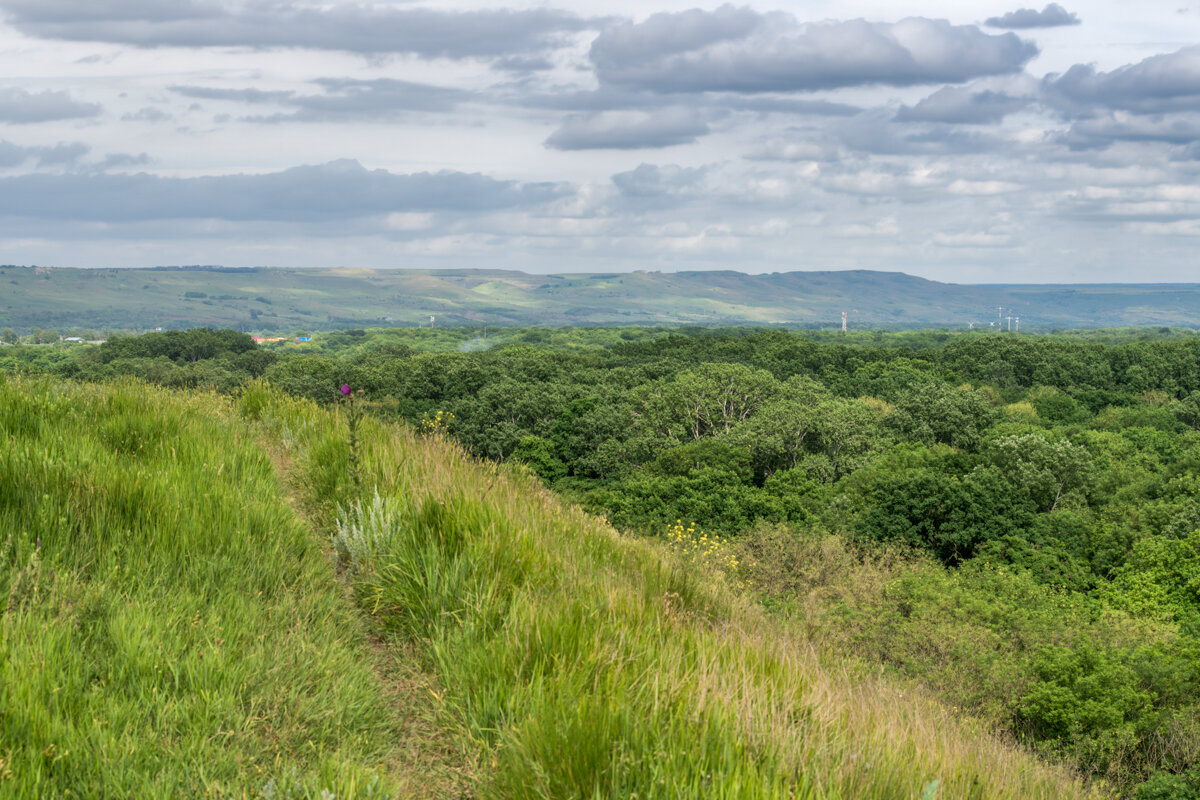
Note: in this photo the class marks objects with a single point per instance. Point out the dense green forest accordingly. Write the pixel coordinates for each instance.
(1013, 520)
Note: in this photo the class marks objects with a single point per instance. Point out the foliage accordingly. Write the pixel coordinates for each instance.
(1161, 580)
(699, 549)
(1171, 786)
(1083, 699)
(947, 514)
(436, 425)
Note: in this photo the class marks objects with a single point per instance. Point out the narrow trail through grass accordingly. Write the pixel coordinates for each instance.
(425, 761)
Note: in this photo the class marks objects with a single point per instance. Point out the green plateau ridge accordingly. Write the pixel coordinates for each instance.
(283, 299)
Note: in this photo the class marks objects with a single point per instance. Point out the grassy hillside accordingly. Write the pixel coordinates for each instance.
(586, 664)
(167, 627)
(171, 628)
(271, 299)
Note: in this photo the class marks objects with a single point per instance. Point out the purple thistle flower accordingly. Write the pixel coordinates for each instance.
(345, 389)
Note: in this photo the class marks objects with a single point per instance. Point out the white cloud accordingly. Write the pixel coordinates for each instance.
(1183, 227)
(972, 240)
(885, 227)
(982, 188)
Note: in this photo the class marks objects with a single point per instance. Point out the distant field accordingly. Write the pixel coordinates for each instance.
(276, 299)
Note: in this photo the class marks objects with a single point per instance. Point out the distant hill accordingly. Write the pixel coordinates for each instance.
(270, 298)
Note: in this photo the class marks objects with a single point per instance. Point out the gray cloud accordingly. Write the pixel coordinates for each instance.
(339, 190)
(369, 99)
(1052, 16)
(344, 99)
(523, 65)
(147, 114)
(1163, 204)
(1156, 85)
(12, 155)
(22, 107)
(962, 106)
(118, 160)
(740, 50)
(604, 98)
(650, 180)
(1101, 132)
(785, 105)
(134, 11)
(875, 133)
(1190, 152)
(64, 154)
(629, 130)
(353, 27)
(252, 96)
(610, 98)
(61, 153)
(796, 145)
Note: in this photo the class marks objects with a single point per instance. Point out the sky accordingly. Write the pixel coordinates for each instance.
(971, 141)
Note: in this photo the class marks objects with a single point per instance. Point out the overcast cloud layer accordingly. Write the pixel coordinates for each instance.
(968, 141)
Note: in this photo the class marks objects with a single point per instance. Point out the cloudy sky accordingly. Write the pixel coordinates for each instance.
(975, 141)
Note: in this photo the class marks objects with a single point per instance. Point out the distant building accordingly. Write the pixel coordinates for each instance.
(73, 339)
(303, 339)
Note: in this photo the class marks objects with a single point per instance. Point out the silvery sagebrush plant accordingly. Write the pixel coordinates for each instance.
(361, 529)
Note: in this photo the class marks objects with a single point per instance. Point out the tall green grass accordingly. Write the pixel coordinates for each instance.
(582, 664)
(167, 627)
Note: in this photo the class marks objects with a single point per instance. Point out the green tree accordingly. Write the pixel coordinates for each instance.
(1048, 468)
(948, 515)
(700, 402)
(935, 412)
(1160, 579)
(538, 454)
(1083, 701)
(806, 425)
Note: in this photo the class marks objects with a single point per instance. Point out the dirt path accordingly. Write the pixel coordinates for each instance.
(426, 762)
